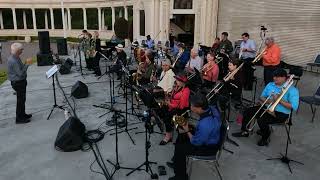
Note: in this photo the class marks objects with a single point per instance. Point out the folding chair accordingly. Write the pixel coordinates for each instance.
(313, 101)
(215, 158)
(315, 63)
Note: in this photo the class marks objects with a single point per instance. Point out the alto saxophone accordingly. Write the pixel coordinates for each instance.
(180, 120)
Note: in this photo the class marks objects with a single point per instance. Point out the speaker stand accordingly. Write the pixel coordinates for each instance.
(54, 98)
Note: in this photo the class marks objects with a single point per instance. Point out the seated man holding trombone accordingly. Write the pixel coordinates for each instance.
(278, 98)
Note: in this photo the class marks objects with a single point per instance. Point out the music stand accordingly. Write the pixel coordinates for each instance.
(51, 74)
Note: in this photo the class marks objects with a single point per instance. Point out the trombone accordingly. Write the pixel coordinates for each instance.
(217, 61)
(271, 107)
(218, 86)
(259, 56)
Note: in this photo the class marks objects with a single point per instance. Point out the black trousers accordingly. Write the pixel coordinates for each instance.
(248, 73)
(20, 88)
(263, 121)
(96, 64)
(268, 73)
(182, 149)
(167, 116)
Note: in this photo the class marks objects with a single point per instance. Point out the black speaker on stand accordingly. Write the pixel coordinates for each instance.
(44, 57)
(62, 46)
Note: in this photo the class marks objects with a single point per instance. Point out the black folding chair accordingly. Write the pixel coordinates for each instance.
(313, 101)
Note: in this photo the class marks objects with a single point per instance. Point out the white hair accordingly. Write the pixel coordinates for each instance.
(271, 39)
(15, 47)
(195, 50)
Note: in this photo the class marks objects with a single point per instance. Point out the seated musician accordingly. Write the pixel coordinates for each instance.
(121, 59)
(210, 71)
(166, 81)
(234, 85)
(204, 141)
(177, 104)
(194, 62)
(282, 111)
(148, 69)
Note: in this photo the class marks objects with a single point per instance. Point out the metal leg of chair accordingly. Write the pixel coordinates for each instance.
(190, 172)
(314, 113)
(216, 165)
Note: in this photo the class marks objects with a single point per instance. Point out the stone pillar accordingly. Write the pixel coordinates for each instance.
(1, 20)
(34, 20)
(164, 25)
(136, 22)
(24, 16)
(69, 19)
(14, 18)
(113, 17)
(52, 18)
(215, 9)
(202, 24)
(102, 19)
(46, 20)
(84, 18)
(99, 18)
(126, 12)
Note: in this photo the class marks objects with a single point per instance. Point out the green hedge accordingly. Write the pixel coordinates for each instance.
(3, 76)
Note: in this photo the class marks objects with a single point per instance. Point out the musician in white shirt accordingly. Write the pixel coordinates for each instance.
(167, 79)
(194, 62)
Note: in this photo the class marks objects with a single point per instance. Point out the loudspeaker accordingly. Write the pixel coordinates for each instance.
(62, 46)
(79, 90)
(44, 42)
(44, 59)
(69, 61)
(65, 68)
(70, 136)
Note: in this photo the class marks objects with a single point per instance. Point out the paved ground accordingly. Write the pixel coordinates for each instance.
(27, 151)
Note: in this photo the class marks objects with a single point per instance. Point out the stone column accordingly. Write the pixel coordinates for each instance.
(69, 19)
(52, 18)
(24, 19)
(164, 13)
(126, 12)
(1, 20)
(14, 18)
(99, 18)
(113, 17)
(84, 18)
(103, 23)
(215, 9)
(136, 22)
(46, 20)
(34, 20)
(202, 24)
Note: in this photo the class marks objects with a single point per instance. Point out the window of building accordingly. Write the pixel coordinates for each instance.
(182, 4)
(76, 18)
(142, 23)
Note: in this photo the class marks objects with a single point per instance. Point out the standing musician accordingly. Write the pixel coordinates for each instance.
(177, 103)
(289, 101)
(96, 59)
(121, 59)
(166, 81)
(270, 59)
(194, 62)
(150, 42)
(205, 140)
(182, 58)
(247, 55)
(225, 45)
(210, 71)
(215, 45)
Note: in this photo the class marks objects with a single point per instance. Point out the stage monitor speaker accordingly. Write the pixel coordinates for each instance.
(69, 61)
(62, 46)
(44, 59)
(44, 42)
(70, 136)
(65, 68)
(79, 90)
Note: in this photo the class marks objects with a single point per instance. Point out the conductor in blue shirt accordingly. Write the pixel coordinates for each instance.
(203, 142)
(289, 101)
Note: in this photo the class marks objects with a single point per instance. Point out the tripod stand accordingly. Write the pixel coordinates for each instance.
(147, 163)
(54, 97)
(284, 158)
(117, 164)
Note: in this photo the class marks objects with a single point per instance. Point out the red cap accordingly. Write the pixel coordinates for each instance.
(181, 78)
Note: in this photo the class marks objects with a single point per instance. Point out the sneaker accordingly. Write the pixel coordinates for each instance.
(241, 134)
(263, 142)
(27, 116)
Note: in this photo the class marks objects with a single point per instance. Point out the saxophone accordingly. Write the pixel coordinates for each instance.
(180, 120)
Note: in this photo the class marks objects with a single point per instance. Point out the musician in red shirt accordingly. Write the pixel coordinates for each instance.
(270, 59)
(176, 104)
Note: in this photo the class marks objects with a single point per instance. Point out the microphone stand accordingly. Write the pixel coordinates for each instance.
(54, 98)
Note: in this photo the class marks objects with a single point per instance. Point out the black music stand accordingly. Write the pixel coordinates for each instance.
(284, 158)
(147, 163)
(52, 74)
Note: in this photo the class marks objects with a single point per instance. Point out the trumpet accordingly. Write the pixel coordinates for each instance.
(271, 107)
(180, 120)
